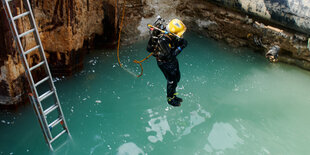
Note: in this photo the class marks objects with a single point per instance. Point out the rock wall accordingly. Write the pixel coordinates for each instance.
(238, 29)
(12, 85)
(294, 14)
(258, 24)
(65, 27)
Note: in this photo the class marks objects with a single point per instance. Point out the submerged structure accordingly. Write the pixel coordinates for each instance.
(68, 28)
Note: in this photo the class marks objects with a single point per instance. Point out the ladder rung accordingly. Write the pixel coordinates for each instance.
(36, 66)
(41, 81)
(50, 109)
(54, 123)
(34, 48)
(21, 15)
(45, 95)
(25, 33)
(62, 132)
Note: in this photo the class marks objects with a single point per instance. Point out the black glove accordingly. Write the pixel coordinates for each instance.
(183, 43)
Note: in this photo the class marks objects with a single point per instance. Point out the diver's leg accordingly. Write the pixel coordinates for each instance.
(177, 79)
(178, 74)
(163, 67)
(172, 81)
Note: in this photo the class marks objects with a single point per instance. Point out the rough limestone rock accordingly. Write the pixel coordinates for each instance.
(294, 14)
(238, 29)
(64, 26)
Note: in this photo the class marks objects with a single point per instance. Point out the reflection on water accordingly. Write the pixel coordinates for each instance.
(223, 136)
(196, 119)
(129, 148)
(235, 102)
(159, 125)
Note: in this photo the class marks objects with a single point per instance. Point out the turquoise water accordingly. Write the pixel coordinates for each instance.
(235, 102)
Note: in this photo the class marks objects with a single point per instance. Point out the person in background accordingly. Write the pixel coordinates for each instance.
(166, 45)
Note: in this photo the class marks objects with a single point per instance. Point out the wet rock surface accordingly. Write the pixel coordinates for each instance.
(241, 30)
(65, 27)
(294, 14)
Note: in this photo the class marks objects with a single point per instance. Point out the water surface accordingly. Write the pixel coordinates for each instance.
(235, 102)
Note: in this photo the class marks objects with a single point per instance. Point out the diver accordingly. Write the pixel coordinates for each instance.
(166, 43)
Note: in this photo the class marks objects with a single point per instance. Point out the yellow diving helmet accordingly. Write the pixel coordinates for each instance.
(176, 27)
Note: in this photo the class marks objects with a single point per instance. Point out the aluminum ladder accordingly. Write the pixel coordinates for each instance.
(36, 98)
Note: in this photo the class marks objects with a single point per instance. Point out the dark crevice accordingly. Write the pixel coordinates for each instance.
(60, 68)
(108, 39)
(87, 5)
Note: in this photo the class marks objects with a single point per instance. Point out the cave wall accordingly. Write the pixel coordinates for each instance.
(294, 14)
(241, 30)
(258, 24)
(67, 30)
(64, 27)
(12, 85)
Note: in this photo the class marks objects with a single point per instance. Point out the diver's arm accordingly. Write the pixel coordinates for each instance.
(181, 45)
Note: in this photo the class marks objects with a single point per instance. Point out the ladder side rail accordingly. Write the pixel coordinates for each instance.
(42, 53)
(41, 47)
(26, 72)
(16, 43)
(63, 119)
(47, 67)
(44, 129)
(19, 45)
(36, 34)
(31, 82)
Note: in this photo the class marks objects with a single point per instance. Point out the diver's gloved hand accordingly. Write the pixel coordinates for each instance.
(183, 43)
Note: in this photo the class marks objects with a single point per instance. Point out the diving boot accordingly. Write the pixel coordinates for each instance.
(177, 98)
(173, 101)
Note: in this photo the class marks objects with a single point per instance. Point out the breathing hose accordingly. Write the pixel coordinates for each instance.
(118, 45)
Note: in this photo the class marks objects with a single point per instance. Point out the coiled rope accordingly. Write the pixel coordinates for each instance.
(118, 45)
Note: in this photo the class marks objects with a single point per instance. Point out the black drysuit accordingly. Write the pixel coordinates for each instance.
(165, 49)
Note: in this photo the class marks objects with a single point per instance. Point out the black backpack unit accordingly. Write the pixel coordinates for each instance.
(165, 46)
(160, 44)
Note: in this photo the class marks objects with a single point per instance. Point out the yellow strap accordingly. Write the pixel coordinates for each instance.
(170, 98)
(163, 31)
